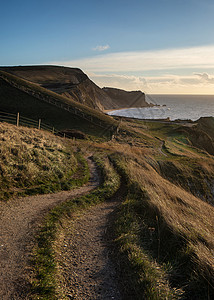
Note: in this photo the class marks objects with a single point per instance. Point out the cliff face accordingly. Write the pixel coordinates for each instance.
(124, 99)
(74, 84)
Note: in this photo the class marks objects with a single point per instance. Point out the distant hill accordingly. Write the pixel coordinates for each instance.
(125, 99)
(35, 102)
(206, 124)
(74, 84)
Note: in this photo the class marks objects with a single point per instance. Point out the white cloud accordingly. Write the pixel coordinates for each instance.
(101, 48)
(196, 57)
(205, 77)
(166, 84)
(104, 69)
(119, 81)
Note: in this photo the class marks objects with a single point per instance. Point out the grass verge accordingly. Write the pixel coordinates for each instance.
(142, 276)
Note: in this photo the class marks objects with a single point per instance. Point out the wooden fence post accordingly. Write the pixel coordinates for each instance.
(17, 119)
(39, 125)
(53, 130)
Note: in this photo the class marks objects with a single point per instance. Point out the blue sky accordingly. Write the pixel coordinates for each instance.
(159, 46)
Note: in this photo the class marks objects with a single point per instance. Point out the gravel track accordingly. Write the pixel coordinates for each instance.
(84, 257)
(19, 221)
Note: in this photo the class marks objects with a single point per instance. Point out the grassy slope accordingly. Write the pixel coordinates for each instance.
(164, 233)
(102, 125)
(13, 100)
(33, 161)
(70, 82)
(162, 223)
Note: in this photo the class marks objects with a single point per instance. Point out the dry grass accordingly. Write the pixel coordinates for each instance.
(183, 224)
(32, 158)
(171, 229)
(166, 233)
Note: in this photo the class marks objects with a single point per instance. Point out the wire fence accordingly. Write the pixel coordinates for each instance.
(19, 120)
(47, 97)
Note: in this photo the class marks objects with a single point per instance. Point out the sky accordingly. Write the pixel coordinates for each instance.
(157, 46)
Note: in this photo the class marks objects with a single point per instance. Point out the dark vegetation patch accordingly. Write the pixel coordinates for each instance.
(199, 137)
(14, 100)
(72, 133)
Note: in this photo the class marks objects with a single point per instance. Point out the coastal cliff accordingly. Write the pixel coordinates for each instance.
(76, 85)
(126, 99)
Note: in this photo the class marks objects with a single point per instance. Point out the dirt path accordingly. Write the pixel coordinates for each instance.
(19, 219)
(86, 270)
(161, 149)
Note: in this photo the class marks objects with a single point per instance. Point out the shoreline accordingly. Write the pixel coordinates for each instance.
(187, 122)
(149, 106)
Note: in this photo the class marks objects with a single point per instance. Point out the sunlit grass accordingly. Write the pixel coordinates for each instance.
(33, 161)
(174, 227)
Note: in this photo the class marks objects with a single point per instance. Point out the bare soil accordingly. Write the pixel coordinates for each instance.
(19, 222)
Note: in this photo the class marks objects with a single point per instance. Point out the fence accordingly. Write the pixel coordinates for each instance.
(19, 120)
(46, 97)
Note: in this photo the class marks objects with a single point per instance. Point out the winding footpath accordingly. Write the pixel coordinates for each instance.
(19, 222)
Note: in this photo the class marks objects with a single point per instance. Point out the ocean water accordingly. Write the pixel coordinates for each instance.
(184, 107)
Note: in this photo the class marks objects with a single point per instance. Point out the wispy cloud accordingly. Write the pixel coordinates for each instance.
(106, 70)
(196, 57)
(165, 84)
(205, 77)
(101, 48)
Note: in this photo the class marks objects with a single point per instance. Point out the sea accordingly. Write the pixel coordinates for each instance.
(183, 107)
